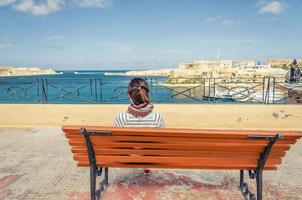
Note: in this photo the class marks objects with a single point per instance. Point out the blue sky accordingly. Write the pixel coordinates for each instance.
(144, 34)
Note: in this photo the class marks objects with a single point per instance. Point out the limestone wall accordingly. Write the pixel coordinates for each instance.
(281, 117)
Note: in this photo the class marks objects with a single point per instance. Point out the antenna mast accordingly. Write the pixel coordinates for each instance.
(218, 54)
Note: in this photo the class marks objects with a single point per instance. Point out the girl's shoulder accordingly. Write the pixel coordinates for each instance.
(156, 115)
(126, 114)
(122, 114)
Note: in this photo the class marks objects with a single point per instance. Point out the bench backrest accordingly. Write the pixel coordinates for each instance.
(177, 148)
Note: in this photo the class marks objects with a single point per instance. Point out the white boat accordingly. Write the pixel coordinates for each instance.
(257, 97)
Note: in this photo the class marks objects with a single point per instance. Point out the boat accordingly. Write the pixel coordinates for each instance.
(87, 72)
(257, 97)
(218, 98)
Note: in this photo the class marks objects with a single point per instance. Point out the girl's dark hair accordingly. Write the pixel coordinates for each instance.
(138, 91)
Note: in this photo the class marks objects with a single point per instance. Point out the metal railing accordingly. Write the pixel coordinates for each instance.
(268, 90)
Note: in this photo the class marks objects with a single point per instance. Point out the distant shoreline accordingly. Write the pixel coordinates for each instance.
(28, 75)
(125, 74)
(158, 72)
(10, 71)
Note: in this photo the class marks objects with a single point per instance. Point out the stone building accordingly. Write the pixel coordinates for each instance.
(284, 63)
(214, 64)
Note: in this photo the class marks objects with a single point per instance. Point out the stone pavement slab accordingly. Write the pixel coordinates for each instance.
(36, 163)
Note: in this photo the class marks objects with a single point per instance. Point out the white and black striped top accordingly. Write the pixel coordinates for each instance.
(152, 120)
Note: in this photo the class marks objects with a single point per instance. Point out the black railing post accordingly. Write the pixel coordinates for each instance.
(268, 89)
(209, 89)
(38, 89)
(44, 90)
(274, 88)
(151, 89)
(91, 90)
(263, 89)
(214, 90)
(101, 90)
(204, 87)
(156, 88)
(95, 90)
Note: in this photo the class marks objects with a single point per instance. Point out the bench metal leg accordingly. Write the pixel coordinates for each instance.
(259, 185)
(241, 178)
(93, 176)
(248, 195)
(103, 183)
(94, 171)
(257, 173)
(106, 175)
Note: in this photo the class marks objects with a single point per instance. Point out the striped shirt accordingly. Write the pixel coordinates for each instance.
(152, 120)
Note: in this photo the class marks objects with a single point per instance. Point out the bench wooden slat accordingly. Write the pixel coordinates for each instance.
(203, 135)
(239, 167)
(200, 162)
(161, 139)
(103, 160)
(179, 153)
(180, 146)
(177, 132)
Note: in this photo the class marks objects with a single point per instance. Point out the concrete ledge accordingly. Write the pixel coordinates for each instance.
(277, 117)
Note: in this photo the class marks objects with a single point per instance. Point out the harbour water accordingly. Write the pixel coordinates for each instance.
(94, 87)
(77, 87)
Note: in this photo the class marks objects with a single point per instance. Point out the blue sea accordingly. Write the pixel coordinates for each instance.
(89, 86)
(97, 87)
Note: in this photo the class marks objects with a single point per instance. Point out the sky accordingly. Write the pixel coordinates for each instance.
(146, 34)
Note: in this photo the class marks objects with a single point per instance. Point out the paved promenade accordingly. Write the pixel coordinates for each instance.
(36, 163)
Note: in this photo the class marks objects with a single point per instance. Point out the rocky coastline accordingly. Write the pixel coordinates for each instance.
(159, 72)
(7, 71)
(197, 73)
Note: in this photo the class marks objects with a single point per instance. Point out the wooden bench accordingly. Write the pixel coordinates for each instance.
(100, 148)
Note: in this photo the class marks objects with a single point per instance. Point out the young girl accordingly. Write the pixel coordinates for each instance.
(139, 113)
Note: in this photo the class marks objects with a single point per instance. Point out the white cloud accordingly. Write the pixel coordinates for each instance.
(54, 46)
(228, 42)
(213, 19)
(228, 22)
(94, 3)
(45, 7)
(274, 7)
(261, 2)
(50, 6)
(120, 48)
(221, 20)
(247, 42)
(5, 43)
(269, 19)
(6, 2)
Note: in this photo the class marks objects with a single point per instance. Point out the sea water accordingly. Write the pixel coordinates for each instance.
(79, 86)
(95, 87)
